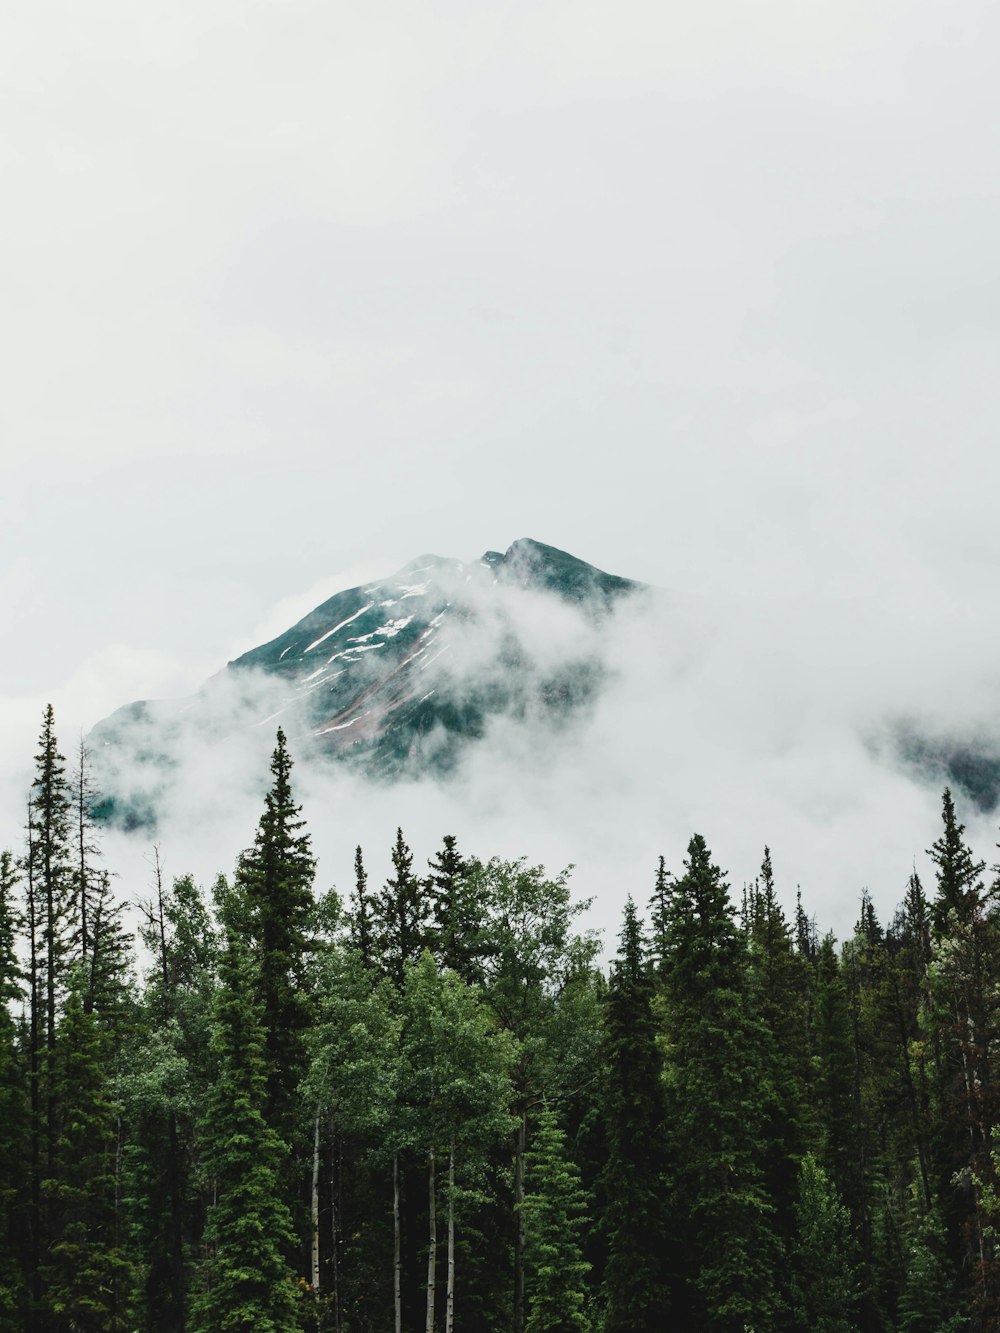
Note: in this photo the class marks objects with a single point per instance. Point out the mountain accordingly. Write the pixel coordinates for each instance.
(398, 678)
(393, 677)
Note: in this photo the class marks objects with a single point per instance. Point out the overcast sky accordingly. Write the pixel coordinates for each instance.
(707, 294)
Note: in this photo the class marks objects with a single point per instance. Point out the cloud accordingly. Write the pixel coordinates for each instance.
(747, 720)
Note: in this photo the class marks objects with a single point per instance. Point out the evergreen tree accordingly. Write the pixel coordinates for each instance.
(634, 1183)
(928, 1301)
(455, 936)
(718, 1062)
(246, 1286)
(85, 1276)
(959, 887)
(660, 914)
(963, 1021)
(400, 916)
(360, 917)
(275, 879)
(52, 868)
(834, 1077)
(824, 1280)
(169, 1072)
(553, 1206)
(779, 994)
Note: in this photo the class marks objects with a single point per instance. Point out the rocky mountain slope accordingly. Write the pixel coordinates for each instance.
(392, 677)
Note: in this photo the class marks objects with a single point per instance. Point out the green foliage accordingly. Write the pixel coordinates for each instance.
(553, 1206)
(719, 1061)
(275, 880)
(455, 1085)
(825, 1283)
(245, 1285)
(85, 1276)
(456, 936)
(753, 1131)
(400, 916)
(634, 1184)
(928, 1300)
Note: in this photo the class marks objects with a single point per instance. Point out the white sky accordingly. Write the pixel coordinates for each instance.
(706, 294)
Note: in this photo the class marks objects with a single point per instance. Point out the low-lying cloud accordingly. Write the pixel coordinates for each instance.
(750, 721)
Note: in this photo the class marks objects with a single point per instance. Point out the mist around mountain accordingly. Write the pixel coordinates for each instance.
(405, 678)
(394, 679)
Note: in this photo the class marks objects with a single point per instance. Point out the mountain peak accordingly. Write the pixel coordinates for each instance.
(396, 675)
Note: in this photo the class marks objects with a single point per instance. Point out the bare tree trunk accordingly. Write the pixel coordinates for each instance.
(395, 1244)
(519, 1144)
(449, 1318)
(315, 1210)
(433, 1240)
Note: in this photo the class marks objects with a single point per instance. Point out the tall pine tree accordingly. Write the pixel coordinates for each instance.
(634, 1184)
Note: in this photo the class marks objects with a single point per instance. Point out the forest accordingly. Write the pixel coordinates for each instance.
(428, 1105)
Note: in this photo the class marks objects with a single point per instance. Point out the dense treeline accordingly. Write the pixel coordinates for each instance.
(427, 1107)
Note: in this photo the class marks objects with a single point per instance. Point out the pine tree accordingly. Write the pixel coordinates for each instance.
(779, 995)
(52, 870)
(634, 1183)
(49, 885)
(659, 905)
(927, 1304)
(400, 916)
(360, 917)
(958, 873)
(718, 1062)
(455, 936)
(275, 879)
(246, 1286)
(826, 1287)
(85, 1276)
(833, 1086)
(963, 1025)
(554, 1204)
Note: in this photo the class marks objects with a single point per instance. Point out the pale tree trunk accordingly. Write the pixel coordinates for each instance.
(395, 1244)
(433, 1240)
(449, 1318)
(315, 1210)
(519, 1237)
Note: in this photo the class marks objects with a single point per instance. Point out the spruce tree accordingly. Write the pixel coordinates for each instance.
(86, 1272)
(455, 934)
(779, 996)
(246, 1286)
(360, 916)
(400, 916)
(659, 908)
(634, 1183)
(959, 887)
(719, 1060)
(275, 880)
(824, 1279)
(553, 1206)
(963, 1023)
